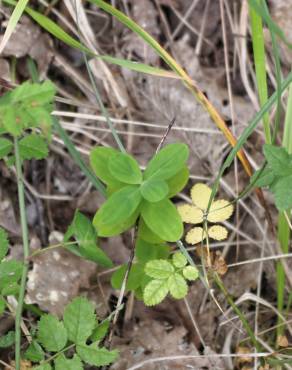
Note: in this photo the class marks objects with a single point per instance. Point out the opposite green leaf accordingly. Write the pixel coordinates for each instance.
(95, 356)
(163, 219)
(63, 363)
(159, 269)
(134, 279)
(154, 190)
(33, 146)
(117, 209)
(147, 234)
(147, 251)
(155, 291)
(179, 260)
(51, 333)
(3, 244)
(125, 168)
(177, 286)
(79, 320)
(165, 164)
(5, 147)
(178, 181)
(99, 159)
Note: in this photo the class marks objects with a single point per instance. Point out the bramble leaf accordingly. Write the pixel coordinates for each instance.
(95, 356)
(79, 320)
(177, 286)
(5, 147)
(34, 352)
(155, 291)
(191, 273)
(179, 260)
(159, 269)
(51, 333)
(7, 340)
(3, 244)
(125, 168)
(33, 146)
(63, 363)
(154, 190)
(167, 162)
(163, 219)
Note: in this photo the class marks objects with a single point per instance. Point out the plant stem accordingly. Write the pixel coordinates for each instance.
(25, 241)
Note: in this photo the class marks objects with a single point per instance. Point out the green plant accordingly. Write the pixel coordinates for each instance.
(71, 342)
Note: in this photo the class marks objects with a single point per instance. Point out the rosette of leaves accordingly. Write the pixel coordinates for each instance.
(134, 194)
(72, 342)
(137, 278)
(168, 276)
(25, 113)
(276, 175)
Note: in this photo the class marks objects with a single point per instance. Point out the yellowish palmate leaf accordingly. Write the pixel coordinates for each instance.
(217, 232)
(220, 211)
(190, 214)
(200, 194)
(195, 235)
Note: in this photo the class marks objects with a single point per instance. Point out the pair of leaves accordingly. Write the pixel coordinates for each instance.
(133, 193)
(79, 326)
(168, 276)
(84, 233)
(27, 106)
(277, 175)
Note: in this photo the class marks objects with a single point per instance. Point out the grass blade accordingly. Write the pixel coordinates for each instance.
(13, 20)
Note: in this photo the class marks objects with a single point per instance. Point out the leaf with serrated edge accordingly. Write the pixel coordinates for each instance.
(51, 333)
(95, 356)
(33, 146)
(179, 260)
(177, 286)
(63, 363)
(159, 269)
(5, 147)
(79, 319)
(190, 273)
(155, 291)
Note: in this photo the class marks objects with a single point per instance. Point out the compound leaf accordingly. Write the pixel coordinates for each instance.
(155, 291)
(63, 363)
(95, 356)
(159, 269)
(51, 333)
(33, 146)
(177, 286)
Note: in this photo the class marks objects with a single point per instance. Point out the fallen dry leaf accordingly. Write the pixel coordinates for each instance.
(282, 341)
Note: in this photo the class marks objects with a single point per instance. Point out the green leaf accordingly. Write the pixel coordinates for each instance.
(117, 209)
(191, 273)
(147, 251)
(10, 272)
(79, 319)
(155, 291)
(5, 147)
(125, 168)
(159, 269)
(177, 286)
(134, 279)
(86, 236)
(2, 305)
(99, 159)
(167, 162)
(283, 193)
(154, 190)
(35, 94)
(34, 352)
(146, 234)
(163, 219)
(10, 289)
(263, 177)
(33, 146)
(3, 244)
(100, 331)
(178, 181)
(179, 260)
(278, 159)
(43, 367)
(95, 356)
(51, 333)
(63, 363)
(7, 340)
(11, 122)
